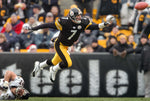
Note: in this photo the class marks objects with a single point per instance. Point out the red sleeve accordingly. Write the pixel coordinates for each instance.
(19, 28)
(3, 30)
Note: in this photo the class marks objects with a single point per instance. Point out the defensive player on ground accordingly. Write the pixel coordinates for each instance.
(11, 87)
(70, 28)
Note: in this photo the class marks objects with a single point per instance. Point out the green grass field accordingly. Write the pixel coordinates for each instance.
(85, 99)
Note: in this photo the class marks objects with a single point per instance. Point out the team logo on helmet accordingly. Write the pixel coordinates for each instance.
(71, 13)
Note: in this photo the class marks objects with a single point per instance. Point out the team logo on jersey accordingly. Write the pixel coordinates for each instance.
(71, 13)
(79, 27)
(74, 27)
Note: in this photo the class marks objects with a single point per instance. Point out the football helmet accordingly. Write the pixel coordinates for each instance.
(73, 13)
(22, 93)
(26, 94)
(26, 26)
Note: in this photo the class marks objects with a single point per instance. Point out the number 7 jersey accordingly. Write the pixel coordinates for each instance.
(70, 31)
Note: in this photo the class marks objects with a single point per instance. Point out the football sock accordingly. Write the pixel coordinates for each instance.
(43, 64)
(56, 67)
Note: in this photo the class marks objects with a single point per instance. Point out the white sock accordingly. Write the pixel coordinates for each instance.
(43, 64)
(56, 67)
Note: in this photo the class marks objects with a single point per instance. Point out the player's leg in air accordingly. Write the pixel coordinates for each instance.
(60, 60)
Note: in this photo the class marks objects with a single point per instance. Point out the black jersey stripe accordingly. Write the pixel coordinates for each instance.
(90, 23)
(60, 53)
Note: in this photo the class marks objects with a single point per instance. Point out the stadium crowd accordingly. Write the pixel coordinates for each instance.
(125, 35)
(129, 32)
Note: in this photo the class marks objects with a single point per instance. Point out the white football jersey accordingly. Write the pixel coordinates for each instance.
(7, 95)
(1, 82)
(18, 82)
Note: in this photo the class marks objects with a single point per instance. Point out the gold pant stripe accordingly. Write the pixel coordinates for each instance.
(61, 55)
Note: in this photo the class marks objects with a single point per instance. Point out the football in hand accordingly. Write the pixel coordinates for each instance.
(141, 5)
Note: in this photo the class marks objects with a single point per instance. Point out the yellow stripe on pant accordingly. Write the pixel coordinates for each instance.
(61, 55)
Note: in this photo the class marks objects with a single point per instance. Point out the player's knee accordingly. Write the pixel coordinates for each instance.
(8, 72)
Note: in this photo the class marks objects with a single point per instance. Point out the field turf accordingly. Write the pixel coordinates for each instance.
(86, 99)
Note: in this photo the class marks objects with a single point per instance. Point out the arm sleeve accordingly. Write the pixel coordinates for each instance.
(96, 26)
(46, 25)
(93, 26)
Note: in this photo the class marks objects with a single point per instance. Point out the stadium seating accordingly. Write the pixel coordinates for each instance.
(38, 50)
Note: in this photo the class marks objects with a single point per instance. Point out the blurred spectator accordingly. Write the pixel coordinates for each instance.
(26, 38)
(71, 49)
(138, 20)
(146, 30)
(86, 38)
(38, 13)
(85, 4)
(112, 41)
(143, 42)
(20, 7)
(4, 45)
(47, 4)
(50, 19)
(73, 6)
(29, 7)
(96, 47)
(144, 49)
(43, 40)
(32, 48)
(56, 12)
(16, 24)
(87, 49)
(51, 49)
(10, 5)
(10, 35)
(17, 49)
(3, 14)
(32, 23)
(122, 48)
(115, 31)
(126, 11)
(131, 41)
(106, 7)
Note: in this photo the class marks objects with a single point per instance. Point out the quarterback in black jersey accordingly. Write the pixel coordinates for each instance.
(70, 28)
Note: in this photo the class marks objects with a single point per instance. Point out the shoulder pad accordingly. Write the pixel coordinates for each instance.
(63, 20)
(86, 20)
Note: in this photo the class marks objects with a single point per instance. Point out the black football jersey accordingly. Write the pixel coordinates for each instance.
(69, 31)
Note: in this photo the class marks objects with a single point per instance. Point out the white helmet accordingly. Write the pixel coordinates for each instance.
(26, 26)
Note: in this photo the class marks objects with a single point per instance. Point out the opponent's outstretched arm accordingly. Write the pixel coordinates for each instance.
(109, 20)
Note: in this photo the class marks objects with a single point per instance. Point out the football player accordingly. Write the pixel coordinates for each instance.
(11, 87)
(70, 28)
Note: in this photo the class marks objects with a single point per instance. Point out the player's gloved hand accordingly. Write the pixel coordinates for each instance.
(26, 26)
(106, 23)
(110, 19)
(5, 85)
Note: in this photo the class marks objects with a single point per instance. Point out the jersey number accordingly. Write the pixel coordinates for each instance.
(74, 32)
